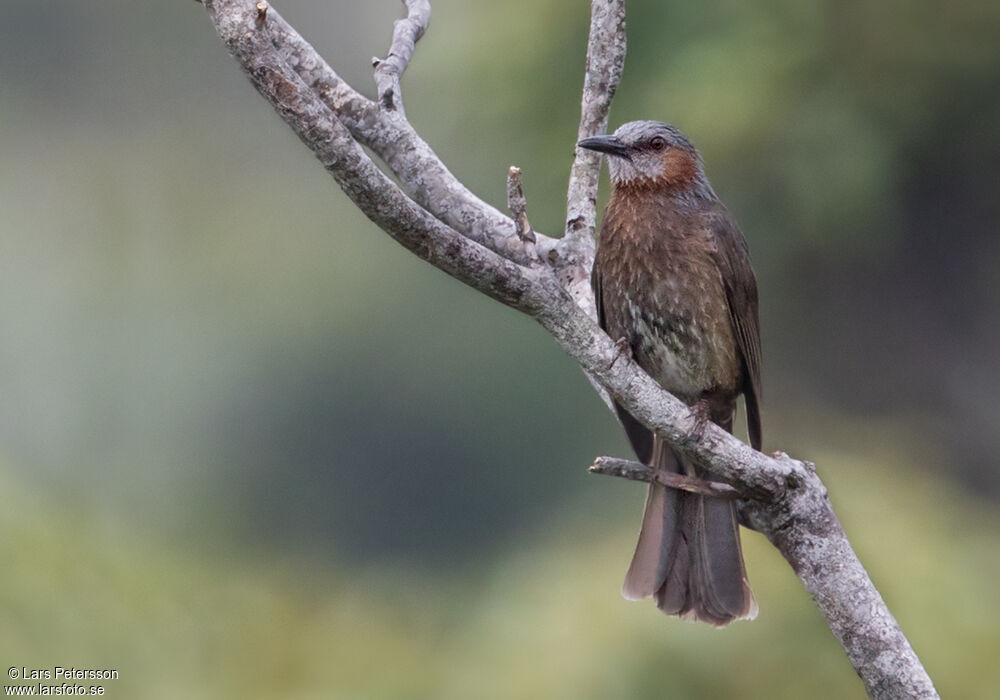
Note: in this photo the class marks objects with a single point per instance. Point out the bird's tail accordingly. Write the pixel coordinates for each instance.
(688, 555)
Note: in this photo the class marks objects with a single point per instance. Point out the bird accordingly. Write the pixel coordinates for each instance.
(675, 289)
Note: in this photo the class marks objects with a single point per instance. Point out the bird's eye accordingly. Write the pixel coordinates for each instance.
(657, 143)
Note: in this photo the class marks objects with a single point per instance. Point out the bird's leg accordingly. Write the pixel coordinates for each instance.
(622, 349)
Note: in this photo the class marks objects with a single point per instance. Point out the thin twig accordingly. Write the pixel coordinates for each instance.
(518, 205)
(405, 35)
(605, 62)
(635, 471)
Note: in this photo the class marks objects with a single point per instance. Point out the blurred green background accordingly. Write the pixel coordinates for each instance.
(249, 447)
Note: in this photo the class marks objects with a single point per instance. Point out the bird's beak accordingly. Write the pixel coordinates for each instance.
(605, 144)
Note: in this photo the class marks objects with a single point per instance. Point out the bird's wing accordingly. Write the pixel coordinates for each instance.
(595, 283)
(732, 256)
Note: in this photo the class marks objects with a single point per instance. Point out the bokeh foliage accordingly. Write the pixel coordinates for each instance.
(541, 619)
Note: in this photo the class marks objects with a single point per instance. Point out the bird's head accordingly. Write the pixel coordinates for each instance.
(650, 153)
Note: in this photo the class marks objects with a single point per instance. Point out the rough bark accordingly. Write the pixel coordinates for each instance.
(405, 35)
(394, 140)
(441, 221)
(604, 64)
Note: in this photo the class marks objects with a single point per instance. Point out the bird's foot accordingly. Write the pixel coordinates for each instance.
(702, 417)
(622, 349)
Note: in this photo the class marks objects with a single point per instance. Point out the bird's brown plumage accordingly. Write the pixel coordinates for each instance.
(672, 278)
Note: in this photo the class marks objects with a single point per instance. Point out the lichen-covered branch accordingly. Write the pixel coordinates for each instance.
(605, 62)
(350, 106)
(449, 227)
(408, 156)
(803, 527)
(405, 35)
(367, 186)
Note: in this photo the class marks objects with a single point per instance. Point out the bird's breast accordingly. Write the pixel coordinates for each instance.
(663, 293)
(685, 344)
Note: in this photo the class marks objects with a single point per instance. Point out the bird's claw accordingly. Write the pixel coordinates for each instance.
(621, 349)
(702, 417)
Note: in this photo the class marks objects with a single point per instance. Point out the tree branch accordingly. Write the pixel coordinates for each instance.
(605, 62)
(479, 246)
(367, 186)
(636, 471)
(405, 35)
(409, 157)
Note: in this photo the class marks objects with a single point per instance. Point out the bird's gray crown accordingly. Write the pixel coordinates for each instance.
(651, 152)
(636, 134)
